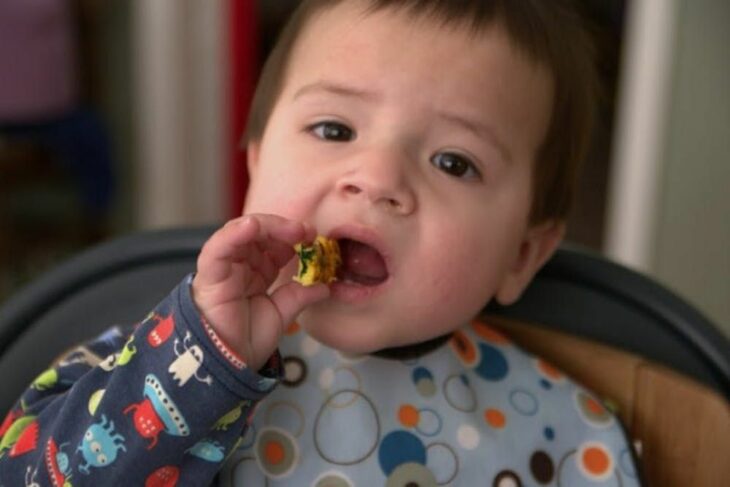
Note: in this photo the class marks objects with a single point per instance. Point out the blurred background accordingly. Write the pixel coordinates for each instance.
(123, 115)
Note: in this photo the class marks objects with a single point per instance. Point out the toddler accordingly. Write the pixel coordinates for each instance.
(437, 142)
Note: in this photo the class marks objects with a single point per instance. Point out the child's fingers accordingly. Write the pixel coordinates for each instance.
(280, 253)
(283, 251)
(310, 233)
(288, 300)
(262, 240)
(224, 247)
(264, 264)
(291, 298)
(275, 228)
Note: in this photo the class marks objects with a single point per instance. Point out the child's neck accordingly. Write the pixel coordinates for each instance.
(413, 351)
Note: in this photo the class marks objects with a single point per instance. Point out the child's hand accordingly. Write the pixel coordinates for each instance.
(236, 268)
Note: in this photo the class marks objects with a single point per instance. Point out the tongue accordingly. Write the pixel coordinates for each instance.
(362, 263)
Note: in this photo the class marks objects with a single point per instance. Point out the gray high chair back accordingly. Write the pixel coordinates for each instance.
(577, 299)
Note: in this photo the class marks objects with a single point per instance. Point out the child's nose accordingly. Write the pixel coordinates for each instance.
(382, 181)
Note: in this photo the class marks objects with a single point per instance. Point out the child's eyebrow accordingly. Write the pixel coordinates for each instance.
(336, 89)
(480, 130)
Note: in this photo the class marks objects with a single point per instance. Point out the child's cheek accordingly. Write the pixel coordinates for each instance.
(277, 199)
(464, 276)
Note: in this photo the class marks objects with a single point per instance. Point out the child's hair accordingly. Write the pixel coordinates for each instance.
(549, 32)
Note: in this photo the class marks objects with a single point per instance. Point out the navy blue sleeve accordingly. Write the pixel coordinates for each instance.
(159, 403)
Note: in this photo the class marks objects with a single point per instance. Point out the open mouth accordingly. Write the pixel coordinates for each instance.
(362, 264)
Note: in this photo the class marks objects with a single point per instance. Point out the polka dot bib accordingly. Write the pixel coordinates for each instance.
(477, 410)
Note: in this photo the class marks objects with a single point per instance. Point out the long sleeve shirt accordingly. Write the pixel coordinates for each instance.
(165, 403)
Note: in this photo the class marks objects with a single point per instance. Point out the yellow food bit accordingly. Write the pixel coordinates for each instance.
(318, 262)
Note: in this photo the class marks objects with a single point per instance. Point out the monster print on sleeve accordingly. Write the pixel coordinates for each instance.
(57, 464)
(100, 445)
(188, 362)
(103, 411)
(157, 413)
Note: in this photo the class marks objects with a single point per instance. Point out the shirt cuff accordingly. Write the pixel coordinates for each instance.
(224, 363)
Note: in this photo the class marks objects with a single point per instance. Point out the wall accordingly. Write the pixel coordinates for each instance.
(179, 95)
(691, 248)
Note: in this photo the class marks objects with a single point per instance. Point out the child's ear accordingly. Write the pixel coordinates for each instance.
(538, 246)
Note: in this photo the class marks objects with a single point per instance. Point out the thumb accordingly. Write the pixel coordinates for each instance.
(291, 298)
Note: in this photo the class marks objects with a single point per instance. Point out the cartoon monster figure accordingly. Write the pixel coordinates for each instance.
(119, 358)
(22, 427)
(62, 460)
(231, 416)
(162, 331)
(30, 477)
(208, 450)
(27, 440)
(157, 413)
(80, 355)
(127, 352)
(9, 420)
(187, 363)
(46, 380)
(109, 362)
(100, 445)
(166, 476)
(57, 464)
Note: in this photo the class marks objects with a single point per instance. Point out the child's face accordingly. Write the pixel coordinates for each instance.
(416, 139)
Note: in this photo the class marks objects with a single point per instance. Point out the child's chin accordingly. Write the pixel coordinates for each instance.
(350, 346)
(345, 336)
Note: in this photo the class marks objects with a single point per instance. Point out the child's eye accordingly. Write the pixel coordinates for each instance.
(456, 165)
(333, 131)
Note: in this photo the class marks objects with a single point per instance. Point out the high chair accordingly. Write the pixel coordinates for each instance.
(658, 363)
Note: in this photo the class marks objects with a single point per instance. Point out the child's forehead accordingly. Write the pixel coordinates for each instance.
(345, 17)
(424, 63)
(377, 50)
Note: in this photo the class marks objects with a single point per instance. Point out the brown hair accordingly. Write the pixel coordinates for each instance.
(550, 32)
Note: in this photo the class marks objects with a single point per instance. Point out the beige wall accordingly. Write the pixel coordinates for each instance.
(692, 235)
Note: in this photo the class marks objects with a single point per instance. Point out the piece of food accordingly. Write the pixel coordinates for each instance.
(318, 262)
